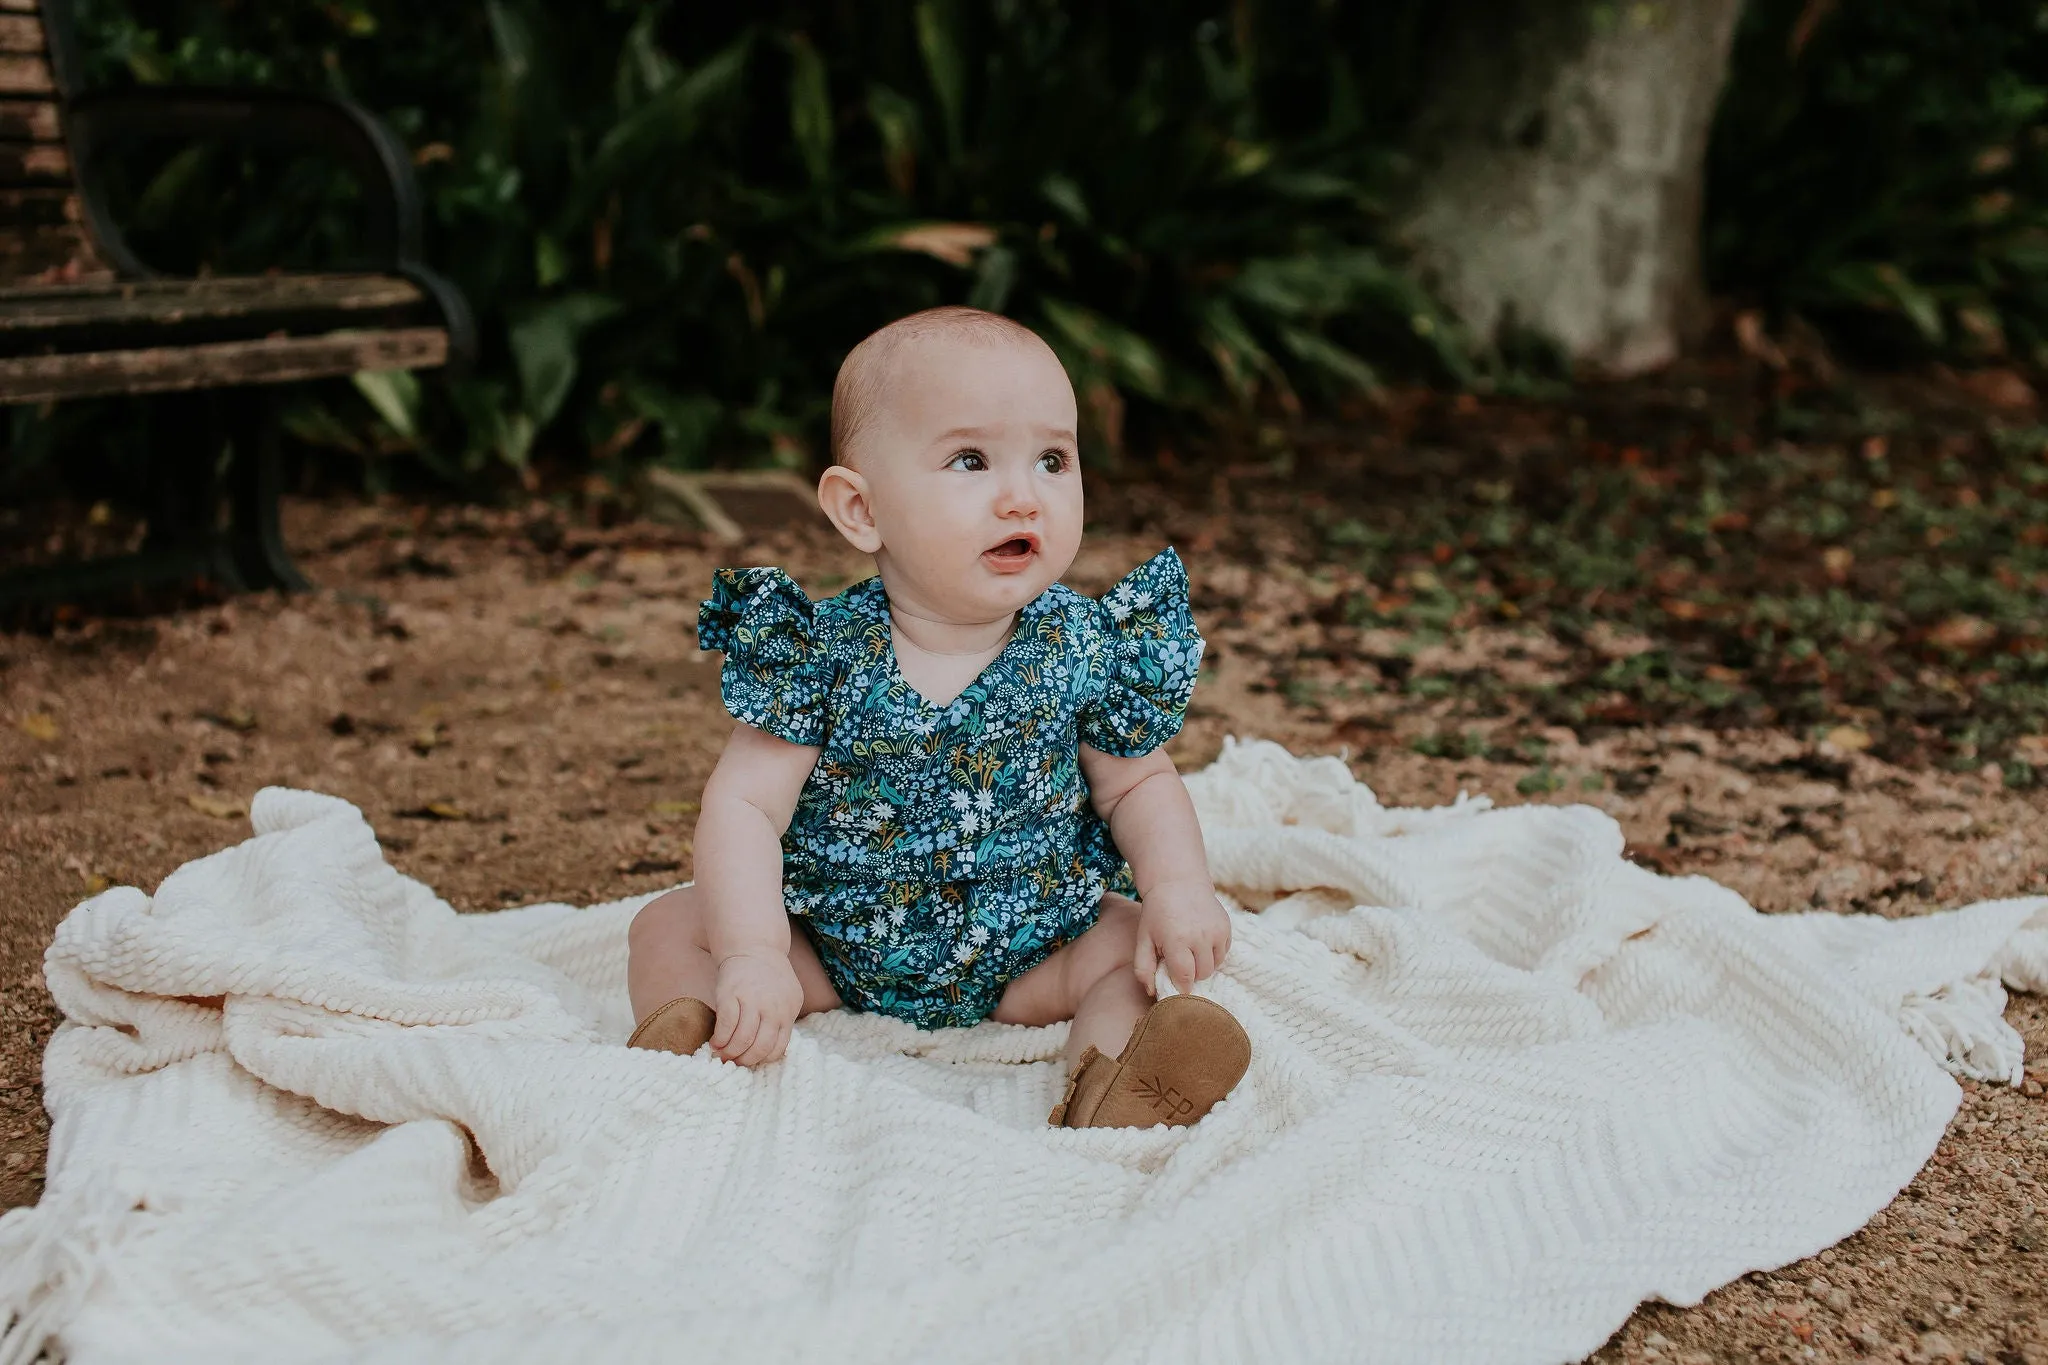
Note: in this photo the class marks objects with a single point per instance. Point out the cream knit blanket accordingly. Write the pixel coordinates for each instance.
(1505, 1086)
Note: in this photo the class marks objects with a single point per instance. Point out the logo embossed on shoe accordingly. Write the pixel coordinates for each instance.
(1164, 1099)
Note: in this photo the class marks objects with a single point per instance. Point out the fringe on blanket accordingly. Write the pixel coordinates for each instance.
(1963, 1027)
(50, 1257)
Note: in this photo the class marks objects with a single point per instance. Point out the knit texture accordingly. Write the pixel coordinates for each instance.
(1505, 1086)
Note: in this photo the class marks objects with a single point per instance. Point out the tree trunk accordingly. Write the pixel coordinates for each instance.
(1561, 155)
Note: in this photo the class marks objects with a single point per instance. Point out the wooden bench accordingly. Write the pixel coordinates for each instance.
(81, 316)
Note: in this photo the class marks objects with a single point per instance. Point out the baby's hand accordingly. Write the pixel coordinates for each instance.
(758, 1001)
(1182, 926)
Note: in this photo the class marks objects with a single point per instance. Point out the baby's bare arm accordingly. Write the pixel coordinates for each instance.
(746, 807)
(1153, 821)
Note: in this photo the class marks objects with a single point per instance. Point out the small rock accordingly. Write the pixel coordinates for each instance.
(1839, 1300)
(1866, 1336)
(2032, 1235)
(1656, 1341)
(1934, 1346)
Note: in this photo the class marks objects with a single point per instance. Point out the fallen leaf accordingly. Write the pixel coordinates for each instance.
(1963, 632)
(673, 808)
(95, 883)
(1999, 388)
(1754, 341)
(39, 725)
(2032, 750)
(237, 718)
(953, 243)
(1679, 609)
(1723, 674)
(433, 810)
(1850, 739)
(215, 806)
(427, 739)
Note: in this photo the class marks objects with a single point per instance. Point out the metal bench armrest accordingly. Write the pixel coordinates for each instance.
(359, 138)
(376, 156)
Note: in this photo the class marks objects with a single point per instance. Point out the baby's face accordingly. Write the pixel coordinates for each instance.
(973, 475)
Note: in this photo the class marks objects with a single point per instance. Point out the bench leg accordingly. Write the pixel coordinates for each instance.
(185, 495)
(255, 481)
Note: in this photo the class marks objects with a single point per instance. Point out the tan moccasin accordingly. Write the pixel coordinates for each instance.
(681, 1026)
(1185, 1054)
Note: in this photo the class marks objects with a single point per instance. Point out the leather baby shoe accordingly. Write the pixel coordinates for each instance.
(1185, 1054)
(681, 1026)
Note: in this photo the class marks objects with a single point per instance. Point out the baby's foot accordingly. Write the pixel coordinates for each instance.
(1184, 1056)
(681, 1026)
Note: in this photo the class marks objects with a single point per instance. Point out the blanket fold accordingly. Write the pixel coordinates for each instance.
(1506, 1085)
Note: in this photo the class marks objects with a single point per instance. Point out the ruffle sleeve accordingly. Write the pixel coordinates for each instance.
(1151, 654)
(776, 674)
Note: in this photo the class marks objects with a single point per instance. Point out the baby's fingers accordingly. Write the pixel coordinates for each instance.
(725, 1018)
(1180, 967)
(743, 1033)
(1146, 963)
(767, 1045)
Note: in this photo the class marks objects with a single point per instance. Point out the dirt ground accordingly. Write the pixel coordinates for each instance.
(516, 700)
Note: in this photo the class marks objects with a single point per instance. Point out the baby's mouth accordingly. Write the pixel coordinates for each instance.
(1012, 554)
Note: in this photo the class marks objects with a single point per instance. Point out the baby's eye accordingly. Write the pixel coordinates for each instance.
(1053, 461)
(973, 461)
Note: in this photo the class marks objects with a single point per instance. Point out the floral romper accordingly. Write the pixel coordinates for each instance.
(939, 852)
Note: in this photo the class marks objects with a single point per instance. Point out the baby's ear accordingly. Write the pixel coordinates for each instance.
(843, 494)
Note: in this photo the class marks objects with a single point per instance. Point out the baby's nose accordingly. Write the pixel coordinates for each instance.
(1016, 497)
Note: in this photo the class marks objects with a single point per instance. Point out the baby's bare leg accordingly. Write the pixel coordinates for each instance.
(1089, 981)
(668, 954)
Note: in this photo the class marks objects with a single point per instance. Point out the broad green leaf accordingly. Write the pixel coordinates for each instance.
(544, 342)
(687, 420)
(665, 124)
(810, 108)
(995, 275)
(895, 121)
(1063, 194)
(1883, 286)
(1348, 369)
(1130, 359)
(1238, 355)
(511, 39)
(550, 264)
(938, 40)
(395, 394)
(644, 69)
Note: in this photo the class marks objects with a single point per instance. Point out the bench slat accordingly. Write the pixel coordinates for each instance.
(169, 302)
(47, 236)
(21, 33)
(30, 121)
(21, 75)
(49, 378)
(34, 163)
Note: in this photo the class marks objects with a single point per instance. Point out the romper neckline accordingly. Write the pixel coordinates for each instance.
(878, 607)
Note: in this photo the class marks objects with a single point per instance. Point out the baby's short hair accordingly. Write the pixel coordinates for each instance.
(866, 367)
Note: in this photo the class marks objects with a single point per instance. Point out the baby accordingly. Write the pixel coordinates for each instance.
(949, 779)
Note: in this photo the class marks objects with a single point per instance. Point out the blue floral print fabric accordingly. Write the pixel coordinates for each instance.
(939, 851)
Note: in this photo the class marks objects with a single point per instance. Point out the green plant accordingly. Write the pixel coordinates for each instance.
(674, 223)
(1883, 169)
